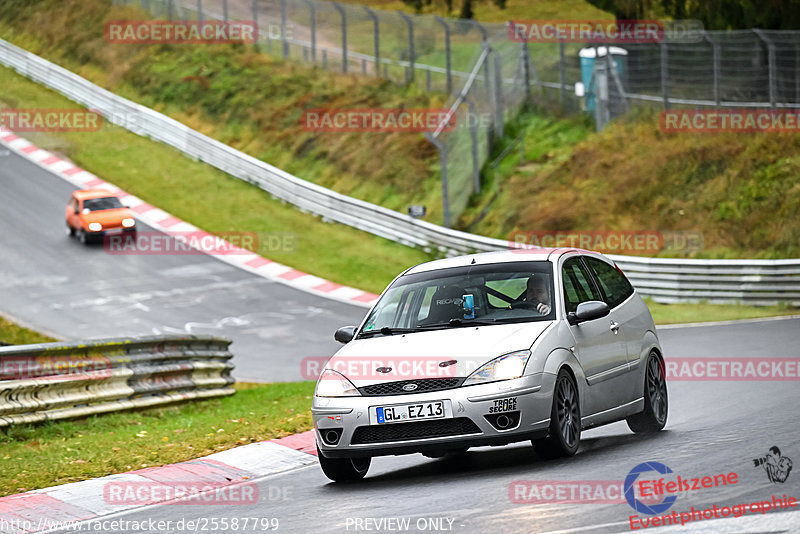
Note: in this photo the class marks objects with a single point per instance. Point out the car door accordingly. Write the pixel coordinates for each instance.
(598, 346)
(626, 310)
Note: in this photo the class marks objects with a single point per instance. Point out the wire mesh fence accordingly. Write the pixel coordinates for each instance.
(489, 75)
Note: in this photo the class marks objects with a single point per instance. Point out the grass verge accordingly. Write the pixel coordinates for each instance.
(39, 456)
(14, 334)
(702, 312)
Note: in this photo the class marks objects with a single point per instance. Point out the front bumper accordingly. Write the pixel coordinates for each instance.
(466, 425)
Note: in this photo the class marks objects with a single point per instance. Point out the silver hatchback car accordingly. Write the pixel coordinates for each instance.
(489, 349)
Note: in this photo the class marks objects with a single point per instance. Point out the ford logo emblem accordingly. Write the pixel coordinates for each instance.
(383, 369)
(410, 387)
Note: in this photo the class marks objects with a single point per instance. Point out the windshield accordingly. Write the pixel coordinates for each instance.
(460, 296)
(105, 203)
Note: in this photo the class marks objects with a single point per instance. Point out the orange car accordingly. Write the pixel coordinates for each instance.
(94, 213)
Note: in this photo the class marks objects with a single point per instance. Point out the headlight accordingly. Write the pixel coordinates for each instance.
(506, 367)
(127, 223)
(95, 227)
(333, 384)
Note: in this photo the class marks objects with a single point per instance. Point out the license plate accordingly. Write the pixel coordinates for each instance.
(114, 231)
(404, 413)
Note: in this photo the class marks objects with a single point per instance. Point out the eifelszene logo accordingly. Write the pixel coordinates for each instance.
(636, 504)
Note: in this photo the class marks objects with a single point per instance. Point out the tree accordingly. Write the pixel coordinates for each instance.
(714, 14)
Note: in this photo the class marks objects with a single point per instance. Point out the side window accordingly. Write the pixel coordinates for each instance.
(613, 283)
(577, 285)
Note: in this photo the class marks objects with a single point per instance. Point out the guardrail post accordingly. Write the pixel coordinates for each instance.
(170, 9)
(562, 73)
(200, 10)
(254, 9)
(526, 69)
(442, 148)
(797, 74)
(284, 42)
(225, 10)
(473, 133)
(664, 72)
(340, 9)
(715, 51)
(313, 16)
(448, 66)
(376, 39)
(773, 89)
(498, 93)
(410, 23)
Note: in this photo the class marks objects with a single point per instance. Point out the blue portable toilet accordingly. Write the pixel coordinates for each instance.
(588, 56)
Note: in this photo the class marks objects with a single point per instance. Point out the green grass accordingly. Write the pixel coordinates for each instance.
(14, 334)
(704, 312)
(39, 456)
(215, 201)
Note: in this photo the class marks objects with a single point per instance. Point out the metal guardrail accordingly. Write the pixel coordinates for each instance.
(759, 282)
(51, 381)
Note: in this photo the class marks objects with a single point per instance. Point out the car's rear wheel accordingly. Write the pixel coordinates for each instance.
(344, 469)
(565, 421)
(70, 231)
(656, 401)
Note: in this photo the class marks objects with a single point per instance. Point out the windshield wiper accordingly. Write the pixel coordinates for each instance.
(387, 331)
(461, 322)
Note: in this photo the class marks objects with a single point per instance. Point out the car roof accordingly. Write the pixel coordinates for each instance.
(83, 194)
(500, 256)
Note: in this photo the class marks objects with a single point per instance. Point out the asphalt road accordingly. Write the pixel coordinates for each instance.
(713, 428)
(55, 284)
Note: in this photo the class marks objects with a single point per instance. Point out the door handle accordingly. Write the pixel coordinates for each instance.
(615, 327)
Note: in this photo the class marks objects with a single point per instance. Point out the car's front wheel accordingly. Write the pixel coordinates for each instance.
(565, 421)
(656, 402)
(344, 469)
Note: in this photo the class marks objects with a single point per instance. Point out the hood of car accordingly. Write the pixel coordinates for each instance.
(107, 217)
(446, 353)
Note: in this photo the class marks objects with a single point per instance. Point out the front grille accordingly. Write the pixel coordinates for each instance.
(424, 385)
(416, 430)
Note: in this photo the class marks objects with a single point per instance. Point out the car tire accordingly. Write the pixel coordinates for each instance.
(656, 401)
(82, 237)
(70, 231)
(565, 421)
(344, 469)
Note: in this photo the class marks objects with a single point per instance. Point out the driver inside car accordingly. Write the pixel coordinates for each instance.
(537, 295)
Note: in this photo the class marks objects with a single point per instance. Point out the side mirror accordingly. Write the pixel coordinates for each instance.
(588, 311)
(76, 211)
(345, 334)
